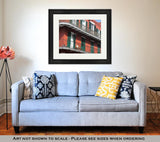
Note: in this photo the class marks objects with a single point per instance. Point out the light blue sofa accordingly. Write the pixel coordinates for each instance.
(76, 105)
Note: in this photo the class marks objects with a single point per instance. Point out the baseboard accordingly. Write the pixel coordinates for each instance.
(3, 106)
(2, 110)
(2, 101)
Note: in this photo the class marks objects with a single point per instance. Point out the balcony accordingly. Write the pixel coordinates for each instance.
(77, 47)
(78, 25)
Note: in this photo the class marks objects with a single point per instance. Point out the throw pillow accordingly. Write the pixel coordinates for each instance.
(125, 90)
(43, 86)
(109, 87)
(28, 90)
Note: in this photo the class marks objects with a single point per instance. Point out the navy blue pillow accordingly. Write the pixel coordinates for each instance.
(125, 90)
(43, 86)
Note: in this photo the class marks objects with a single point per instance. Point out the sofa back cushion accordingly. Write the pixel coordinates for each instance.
(66, 82)
(89, 81)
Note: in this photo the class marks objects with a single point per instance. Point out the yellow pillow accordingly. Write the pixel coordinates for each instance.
(109, 87)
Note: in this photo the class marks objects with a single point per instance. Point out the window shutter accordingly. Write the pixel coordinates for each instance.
(83, 44)
(92, 47)
(77, 22)
(74, 40)
(81, 22)
(94, 27)
(96, 30)
(86, 25)
(71, 21)
(89, 25)
(69, 39)
(98, 48)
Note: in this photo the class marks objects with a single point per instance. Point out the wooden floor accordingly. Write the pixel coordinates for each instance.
(152, 128)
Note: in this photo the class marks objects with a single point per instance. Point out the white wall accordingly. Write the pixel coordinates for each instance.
(1, 43)
(135, 36)
(1, 21)
(0, 46)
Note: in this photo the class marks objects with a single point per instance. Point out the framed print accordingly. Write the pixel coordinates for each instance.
(79, 36)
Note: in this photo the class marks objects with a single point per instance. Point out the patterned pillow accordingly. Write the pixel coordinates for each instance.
(109, 87)
(43, 86)
(125, 90)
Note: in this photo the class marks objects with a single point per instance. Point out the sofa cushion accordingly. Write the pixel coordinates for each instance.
(66, 82)
(50, 104)
(98, 104)
(89, 81)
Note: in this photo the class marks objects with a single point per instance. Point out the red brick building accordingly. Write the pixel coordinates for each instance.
(79, 36)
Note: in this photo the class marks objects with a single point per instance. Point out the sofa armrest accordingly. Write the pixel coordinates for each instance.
(139, 91)
(17, 96)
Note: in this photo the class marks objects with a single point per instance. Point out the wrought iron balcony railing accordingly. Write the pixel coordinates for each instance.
(77, 45)
(84, 28)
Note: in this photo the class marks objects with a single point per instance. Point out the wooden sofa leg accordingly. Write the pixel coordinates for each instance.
(141, 129)
(16, 129)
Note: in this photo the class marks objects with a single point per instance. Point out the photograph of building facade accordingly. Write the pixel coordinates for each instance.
(79, 36)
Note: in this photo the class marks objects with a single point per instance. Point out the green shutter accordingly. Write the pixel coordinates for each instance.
(92, 47)
(94, 28)
(77, 22)
(74, 41)
(98, 48)
(98, 34)
(69, 39)
(96, 31)
(71, 21)
(81, 22)
(89, 25)
(83, 44)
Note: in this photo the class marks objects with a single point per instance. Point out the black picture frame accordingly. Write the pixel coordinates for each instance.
(51, 59)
